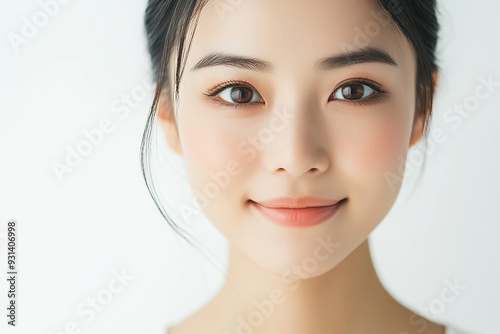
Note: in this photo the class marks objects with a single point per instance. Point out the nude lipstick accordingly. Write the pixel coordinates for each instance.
(297, 212)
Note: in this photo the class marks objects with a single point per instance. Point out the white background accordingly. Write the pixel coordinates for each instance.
(74, 234)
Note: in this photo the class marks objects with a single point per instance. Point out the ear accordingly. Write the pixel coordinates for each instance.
(418, 123)
(418, 127)
(167, 122)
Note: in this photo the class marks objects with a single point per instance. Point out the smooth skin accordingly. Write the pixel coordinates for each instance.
(314, 141)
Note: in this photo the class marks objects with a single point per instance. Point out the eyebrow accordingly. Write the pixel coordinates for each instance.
(360, 56)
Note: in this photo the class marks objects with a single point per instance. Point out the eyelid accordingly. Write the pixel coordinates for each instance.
(214, 91)
(217, 89)
(360, 80)
(379, 91)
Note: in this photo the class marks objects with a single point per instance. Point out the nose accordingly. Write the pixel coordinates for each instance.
(301, 144)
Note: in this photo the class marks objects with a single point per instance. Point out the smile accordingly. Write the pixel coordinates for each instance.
(301, 216)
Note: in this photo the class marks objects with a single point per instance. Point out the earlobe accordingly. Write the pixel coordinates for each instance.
(418, 125)
(417, 131)
(435, 78)
(167, 122)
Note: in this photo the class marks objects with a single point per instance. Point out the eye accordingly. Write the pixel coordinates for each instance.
(239, 95)
(352, 92)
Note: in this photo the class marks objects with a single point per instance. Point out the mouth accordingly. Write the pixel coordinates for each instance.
(297, 212)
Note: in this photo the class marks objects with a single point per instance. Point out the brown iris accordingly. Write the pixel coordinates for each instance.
(353, 92)
(241, 94)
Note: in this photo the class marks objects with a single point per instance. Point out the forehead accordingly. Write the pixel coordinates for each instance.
(291, 32)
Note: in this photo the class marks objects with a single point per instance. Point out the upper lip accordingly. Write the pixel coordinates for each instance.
(298, 202)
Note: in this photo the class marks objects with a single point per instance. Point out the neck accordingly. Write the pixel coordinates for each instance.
(347, 299)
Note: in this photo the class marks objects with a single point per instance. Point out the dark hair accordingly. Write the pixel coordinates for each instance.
(167, 24)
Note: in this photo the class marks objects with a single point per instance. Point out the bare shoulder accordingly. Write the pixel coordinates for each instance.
(416, 324)
(189, 326)
(434, 328)
(404, 320)
(199, 322)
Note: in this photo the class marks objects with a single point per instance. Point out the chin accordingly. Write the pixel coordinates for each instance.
(306, 259)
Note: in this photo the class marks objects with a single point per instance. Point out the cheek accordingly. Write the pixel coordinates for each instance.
(213, 162)
(369, 149)
(372, 159)
(205, 149)
(377, 145)
(383, 144)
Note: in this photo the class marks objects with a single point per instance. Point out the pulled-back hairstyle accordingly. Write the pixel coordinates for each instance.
(168, 23)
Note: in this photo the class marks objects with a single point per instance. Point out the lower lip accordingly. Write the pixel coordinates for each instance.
(298, 217)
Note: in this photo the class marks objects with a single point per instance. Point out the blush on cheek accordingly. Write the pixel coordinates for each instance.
(205, 151)
(384, 146)
(381, 150)
(211, 152)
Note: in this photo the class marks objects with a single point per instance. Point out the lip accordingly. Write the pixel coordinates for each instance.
(298, 212)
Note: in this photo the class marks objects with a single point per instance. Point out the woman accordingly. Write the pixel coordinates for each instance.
(292, 118)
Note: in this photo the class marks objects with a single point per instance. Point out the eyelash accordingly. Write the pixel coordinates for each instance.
(217, 89)
(374, 97)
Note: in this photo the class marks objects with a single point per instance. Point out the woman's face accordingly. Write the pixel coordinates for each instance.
(296, 124)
